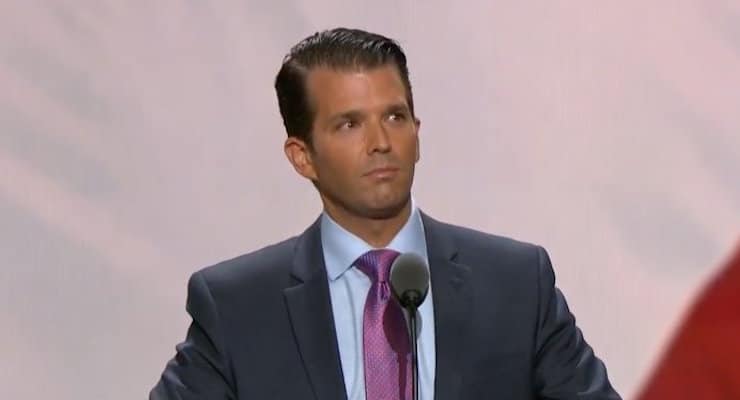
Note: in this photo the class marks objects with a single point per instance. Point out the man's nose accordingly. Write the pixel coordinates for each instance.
(378, 139)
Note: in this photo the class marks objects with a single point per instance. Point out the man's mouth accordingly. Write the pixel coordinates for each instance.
(382, 172)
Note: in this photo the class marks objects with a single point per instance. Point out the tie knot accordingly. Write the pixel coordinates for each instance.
(376, 264)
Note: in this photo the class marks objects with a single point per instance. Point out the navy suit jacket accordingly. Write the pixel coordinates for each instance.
(263, 326)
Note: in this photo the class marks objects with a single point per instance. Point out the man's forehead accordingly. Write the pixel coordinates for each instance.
(350, 85)
(341, 74)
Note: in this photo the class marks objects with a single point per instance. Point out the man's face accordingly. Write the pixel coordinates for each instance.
(364, 141)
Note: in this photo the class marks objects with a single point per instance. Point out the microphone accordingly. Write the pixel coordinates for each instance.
(409, 279)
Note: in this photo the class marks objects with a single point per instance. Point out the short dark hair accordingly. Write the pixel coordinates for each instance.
(340, 49)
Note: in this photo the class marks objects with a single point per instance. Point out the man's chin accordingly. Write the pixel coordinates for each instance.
(387, 210)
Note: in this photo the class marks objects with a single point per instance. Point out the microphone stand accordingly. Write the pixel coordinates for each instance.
(414, 352)
(411, 300)
(409, 278)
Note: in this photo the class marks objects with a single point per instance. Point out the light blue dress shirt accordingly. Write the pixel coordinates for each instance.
(348, 288)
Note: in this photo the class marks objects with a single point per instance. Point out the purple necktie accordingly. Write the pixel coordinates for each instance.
(385, 334)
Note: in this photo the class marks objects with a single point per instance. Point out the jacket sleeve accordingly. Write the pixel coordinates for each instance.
(565, 365)
(200, 368)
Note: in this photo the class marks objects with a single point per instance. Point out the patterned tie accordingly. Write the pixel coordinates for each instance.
(385, 334)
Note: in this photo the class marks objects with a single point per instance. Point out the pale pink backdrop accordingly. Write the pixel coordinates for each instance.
(141, 141)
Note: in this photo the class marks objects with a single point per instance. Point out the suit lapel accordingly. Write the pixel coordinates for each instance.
(309, 308)
(452, 299)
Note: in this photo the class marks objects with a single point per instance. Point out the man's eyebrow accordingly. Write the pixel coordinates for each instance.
(344, 115)
(398, 107)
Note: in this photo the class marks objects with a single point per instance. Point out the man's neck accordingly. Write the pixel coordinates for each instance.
(376, 232)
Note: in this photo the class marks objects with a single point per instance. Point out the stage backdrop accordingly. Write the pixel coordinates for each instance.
(141, 141)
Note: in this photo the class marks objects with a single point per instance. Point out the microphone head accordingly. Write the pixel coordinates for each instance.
(409, 278)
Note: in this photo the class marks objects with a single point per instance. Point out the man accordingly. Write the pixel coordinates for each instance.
(312, 317)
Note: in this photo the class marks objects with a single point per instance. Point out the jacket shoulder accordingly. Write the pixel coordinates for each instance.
(500, 256)
(268, 265)
(473, 241)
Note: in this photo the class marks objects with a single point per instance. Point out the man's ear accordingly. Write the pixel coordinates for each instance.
(299, 154)
(417, 122)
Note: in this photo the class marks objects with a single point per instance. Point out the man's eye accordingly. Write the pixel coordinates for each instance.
(347, 125)
(397, 117)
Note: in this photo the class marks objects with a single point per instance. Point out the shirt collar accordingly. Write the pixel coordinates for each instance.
(342, 248)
